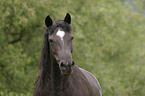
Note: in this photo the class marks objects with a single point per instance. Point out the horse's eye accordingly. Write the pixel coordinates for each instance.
(72, 38)
(51, 41)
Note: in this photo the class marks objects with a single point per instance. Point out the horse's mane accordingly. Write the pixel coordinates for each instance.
(45, 59)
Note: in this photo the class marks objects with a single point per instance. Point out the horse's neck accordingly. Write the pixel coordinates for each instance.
(58, 81)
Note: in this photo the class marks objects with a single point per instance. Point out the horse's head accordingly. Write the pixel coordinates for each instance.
(60, 43)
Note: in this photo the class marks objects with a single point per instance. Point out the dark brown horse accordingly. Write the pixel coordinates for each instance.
(59, 76)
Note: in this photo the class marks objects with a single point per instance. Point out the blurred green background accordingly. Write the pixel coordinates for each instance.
(109, 42)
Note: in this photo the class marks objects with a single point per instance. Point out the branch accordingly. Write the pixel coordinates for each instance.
(18, 39)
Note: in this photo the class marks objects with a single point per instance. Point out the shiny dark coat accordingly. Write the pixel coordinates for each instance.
(51, 82)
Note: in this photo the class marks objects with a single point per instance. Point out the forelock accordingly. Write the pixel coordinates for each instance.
(65, 26)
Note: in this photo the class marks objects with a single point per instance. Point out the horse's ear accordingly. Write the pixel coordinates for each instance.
(48, 21)
(67, 18)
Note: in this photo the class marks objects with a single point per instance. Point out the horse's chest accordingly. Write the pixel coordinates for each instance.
(75, 90)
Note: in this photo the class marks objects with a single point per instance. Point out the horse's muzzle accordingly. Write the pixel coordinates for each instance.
(66, 68)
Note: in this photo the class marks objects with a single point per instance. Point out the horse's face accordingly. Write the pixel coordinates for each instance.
(61, 48)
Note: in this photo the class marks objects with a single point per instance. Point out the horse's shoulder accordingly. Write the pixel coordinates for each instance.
(92, 80)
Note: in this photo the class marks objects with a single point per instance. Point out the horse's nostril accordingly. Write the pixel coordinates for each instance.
(73, 63)
(63, 67)
(62, 64)
(67, 65)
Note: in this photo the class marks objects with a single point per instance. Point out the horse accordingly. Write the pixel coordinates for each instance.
(59, 75)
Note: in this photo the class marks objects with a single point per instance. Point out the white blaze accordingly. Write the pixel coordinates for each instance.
(60, 34)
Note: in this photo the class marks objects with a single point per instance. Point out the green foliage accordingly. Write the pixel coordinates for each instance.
(109, 42)
(6, 93)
